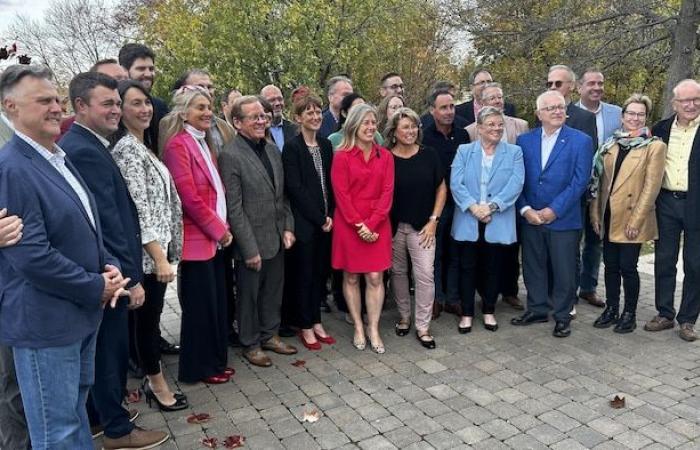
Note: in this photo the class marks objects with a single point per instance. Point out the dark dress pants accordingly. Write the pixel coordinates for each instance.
(230, 283)
(147, 325)
(542, 249)
(311, 260)
(479, 264)
(259, 300)
(204, 328)
(446, 271)
(670, 217)
(13, 424)
(104, 405)
(510, 267)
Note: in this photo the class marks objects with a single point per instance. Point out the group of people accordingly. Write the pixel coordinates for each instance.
(258, 211)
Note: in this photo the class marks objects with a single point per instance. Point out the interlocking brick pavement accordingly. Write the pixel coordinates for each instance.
(516, 388)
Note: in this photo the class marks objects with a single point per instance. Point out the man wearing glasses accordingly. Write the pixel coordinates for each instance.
(677, 211)
(558, 164)
(392, 84)
(479, 78)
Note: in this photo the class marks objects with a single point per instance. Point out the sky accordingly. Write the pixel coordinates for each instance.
(10, 8)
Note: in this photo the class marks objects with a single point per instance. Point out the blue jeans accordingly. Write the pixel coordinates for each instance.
(54, 383)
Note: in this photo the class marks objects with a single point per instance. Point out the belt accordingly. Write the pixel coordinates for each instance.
(680, 195)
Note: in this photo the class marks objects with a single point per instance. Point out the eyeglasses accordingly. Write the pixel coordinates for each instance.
(687, 101)
(557, 84)
(553, 108)
(394, 87)
(494, 126)
(256, 117)
(636, 115)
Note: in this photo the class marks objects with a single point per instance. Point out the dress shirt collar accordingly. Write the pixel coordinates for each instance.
(596, 112)
(43, 151)
(554, 135)
(692, 124)
(102, 140)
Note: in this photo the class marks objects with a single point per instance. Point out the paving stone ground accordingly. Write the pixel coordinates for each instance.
(517, 388)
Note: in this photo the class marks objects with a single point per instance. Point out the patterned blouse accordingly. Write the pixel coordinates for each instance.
(154, 194)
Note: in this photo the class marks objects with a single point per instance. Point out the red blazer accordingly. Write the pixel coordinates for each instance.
(202, 226)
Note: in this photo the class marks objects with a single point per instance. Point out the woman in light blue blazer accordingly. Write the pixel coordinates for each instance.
(487, 177)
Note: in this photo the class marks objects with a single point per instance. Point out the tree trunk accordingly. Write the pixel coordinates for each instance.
(683, 53)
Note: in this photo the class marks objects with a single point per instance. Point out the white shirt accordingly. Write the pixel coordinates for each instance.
(548, 142)
(598, 121)
(199, 137)
(57, 159)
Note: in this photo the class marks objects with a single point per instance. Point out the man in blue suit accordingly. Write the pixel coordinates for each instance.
(557, 169)
(57, 279)
(97, 112)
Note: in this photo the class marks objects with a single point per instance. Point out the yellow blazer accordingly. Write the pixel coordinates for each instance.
(633, 197)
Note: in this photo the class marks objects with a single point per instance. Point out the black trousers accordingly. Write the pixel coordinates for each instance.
(230, 284)
(621, 265)
(204, 327)
(510, 270)
(104, 405)
(147, 325)
(312, 261)
(259, 300)
(670, 216)
(479, 264)
(13, 424)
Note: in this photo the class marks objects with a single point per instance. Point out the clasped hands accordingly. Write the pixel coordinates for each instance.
(115, 286)
(482, 212)
(542, 216)
(365, 233)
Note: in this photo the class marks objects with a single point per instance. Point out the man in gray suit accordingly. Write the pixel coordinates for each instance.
(13, 424)
(262, 225)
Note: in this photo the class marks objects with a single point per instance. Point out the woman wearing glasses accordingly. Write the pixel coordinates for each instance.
(487, 178)
(628, 171)
(187, 153)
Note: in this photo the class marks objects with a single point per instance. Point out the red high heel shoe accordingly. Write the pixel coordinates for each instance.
(310, 345)
(325, 339)
(216, 379)
(229, 372)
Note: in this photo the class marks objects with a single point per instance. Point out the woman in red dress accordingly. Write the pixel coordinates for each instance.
(362, 176)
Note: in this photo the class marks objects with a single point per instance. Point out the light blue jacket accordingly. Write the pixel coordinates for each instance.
(503, 188)
(612, 120)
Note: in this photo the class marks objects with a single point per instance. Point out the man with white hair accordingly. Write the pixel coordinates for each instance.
(677, 211)
(281, 129)
(558, 164)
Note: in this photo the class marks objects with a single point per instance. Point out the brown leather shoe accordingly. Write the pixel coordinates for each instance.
(258, 358)
(274, 344)
(687, 332)
(437, 309)
(513, 301)
(138, 439)
(659, 323)
(592, 298)
(453, 308)
(99, 430)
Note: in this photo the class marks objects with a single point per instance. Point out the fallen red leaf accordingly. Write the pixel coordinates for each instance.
(618, 402)
(198, 418)
(299, 363)
(210, 442)
(234, 441)
(133, 396)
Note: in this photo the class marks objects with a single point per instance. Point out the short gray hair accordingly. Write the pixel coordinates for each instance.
(335, 80)
(488, 86)
(488, 111)
(541, 97)
(682, 82)
(12, 75)
(563, 67)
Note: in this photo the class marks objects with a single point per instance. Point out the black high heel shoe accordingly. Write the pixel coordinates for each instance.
(180, 399)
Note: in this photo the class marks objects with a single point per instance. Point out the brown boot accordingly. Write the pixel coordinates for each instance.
(592, 299)
(138, 439)
(274, 344)
(659, 323)
(258, 358)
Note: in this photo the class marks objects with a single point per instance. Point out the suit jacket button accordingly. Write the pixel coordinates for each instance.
(489, 195)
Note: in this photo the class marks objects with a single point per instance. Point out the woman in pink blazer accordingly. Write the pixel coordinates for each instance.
(201, 287)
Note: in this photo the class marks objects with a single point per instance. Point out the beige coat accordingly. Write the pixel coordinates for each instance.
(632, 199)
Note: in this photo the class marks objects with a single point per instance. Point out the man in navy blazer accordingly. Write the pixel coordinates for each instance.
(56, 280)
(97, 112)
(557, 169)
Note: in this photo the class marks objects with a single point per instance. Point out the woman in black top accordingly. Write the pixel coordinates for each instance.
(419, 196)
(307, 166)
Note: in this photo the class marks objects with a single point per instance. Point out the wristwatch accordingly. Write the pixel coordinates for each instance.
(435, 218)
(493, 207)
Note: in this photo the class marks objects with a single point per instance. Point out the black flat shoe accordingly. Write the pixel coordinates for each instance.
(490, 327)
(180, 399)
(426, 340)
(608, 318)
(561, 329)
(626, 324)
(464, 330)
(401, 331)
(166, 348)
(528, 318)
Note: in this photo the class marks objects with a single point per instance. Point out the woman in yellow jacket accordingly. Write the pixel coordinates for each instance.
(628, 170)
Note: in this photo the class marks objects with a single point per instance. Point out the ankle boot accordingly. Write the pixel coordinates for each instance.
(607, 319)
(627, 323)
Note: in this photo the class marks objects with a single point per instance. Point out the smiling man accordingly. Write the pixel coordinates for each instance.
(262, 223)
